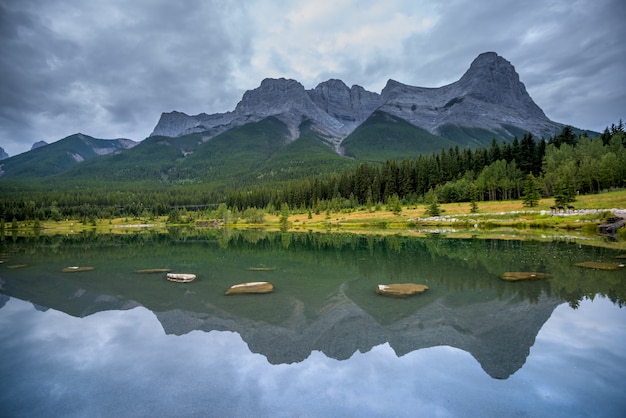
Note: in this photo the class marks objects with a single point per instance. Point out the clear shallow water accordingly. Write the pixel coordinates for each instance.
(116, 344)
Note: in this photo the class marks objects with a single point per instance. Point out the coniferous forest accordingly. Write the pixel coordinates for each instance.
(561, 167)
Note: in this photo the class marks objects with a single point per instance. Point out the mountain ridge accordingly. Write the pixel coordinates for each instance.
(332, 127)
(60, 156)
(489, 96)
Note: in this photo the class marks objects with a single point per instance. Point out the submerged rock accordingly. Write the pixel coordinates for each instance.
(151, 271)
(401, 290)
(513, 276)
(599, 266)
(75, 269)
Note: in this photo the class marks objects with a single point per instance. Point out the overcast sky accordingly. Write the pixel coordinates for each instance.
(110, 68)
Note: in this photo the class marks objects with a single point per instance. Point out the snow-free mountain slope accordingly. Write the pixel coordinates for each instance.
(489, 98)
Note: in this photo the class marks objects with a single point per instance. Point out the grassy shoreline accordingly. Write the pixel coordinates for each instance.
(510, 218)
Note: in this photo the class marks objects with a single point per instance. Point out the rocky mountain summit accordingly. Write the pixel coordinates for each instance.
(38, 144)
(3, 154)
(334, 109)
(489, 96)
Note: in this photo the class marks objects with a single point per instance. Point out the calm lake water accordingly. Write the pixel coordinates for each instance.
(112, 342)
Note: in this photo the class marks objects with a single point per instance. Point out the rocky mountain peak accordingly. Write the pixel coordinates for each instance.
(39, 144)
(493, 79)
(348, 105)
(3, 154)
(273, 95)
(489, 97)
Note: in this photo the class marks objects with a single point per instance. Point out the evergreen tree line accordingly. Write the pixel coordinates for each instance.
(98, 202)
(563, 166)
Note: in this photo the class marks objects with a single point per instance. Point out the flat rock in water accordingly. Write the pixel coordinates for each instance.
(599, 266)
(251, 287)
(150, 271)
(513, 276)
(16, 266)
(400, 289)
(75, 269)
(181, 277)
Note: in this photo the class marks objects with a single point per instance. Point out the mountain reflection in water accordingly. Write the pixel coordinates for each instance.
(324, 298)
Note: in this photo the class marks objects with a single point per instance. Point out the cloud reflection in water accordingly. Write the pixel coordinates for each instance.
(121, 363)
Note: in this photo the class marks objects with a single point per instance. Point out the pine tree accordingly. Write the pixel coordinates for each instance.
(284, 216)
(494, 151)
(527, 153)
(473, 197)
(531, 191)
(433, 204)
(564, 193)
(394, 204)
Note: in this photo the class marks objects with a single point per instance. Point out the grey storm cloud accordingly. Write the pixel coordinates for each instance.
(110, 68)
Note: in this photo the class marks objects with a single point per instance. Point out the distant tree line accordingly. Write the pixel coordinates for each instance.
(98, 201)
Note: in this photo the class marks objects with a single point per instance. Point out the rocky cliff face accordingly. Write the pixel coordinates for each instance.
(38, 144)
(3, 154)
(349, 106)
(333, 108)
(489, 96)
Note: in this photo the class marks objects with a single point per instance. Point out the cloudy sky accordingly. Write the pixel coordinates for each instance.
(109, 68)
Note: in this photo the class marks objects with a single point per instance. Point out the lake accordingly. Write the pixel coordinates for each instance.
(114, 342)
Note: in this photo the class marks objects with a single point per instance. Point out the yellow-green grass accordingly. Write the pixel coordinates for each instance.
(509, 213)
(507, 209)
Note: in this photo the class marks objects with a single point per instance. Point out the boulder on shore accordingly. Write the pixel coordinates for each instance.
(401, 290)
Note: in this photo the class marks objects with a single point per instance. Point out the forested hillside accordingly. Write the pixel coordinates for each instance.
(563, 166)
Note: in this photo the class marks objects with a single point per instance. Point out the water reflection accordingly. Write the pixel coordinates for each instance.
(324, 300)
(120, 363)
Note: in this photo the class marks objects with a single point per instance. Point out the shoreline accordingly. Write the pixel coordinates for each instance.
(494, 218)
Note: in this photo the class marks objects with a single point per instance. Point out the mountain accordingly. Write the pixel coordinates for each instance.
(488, 101)
(255, 151)
(60, 156)
(489, 97)
(333, 109)
(3, 154)
(39, 144)
(281, 131)
(385, 136)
